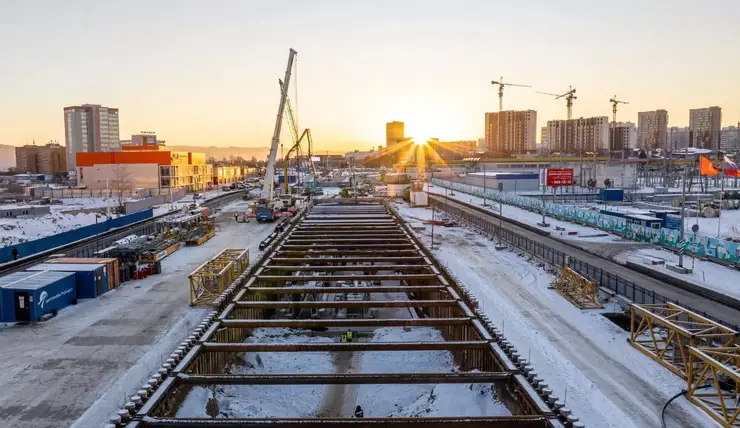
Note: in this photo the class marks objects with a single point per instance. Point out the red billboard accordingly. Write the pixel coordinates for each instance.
(559, 177)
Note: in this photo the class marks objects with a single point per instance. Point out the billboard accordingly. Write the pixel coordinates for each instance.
(559, 177)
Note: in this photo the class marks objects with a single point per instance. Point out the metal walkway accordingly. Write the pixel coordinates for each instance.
(335, 250)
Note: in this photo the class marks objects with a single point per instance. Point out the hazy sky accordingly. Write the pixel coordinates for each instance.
(205, 72)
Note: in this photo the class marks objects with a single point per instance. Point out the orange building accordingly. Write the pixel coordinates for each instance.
(143, 167)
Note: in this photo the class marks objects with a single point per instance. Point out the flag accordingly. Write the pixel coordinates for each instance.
(706, 167)
(730, 164)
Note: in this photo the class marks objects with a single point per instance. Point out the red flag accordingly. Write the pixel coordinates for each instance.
(706, 167)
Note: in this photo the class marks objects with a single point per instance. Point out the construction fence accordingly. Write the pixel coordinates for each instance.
(725, 252)
(601, 277)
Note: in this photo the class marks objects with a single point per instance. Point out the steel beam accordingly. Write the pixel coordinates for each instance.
(348, 246)
(347, 304)
(345, 347)
(343, 378)
(323, 261)
(322, 290)
(519, 421)
(304, 278)
(369, 252)
(368, 268)
(347, 322)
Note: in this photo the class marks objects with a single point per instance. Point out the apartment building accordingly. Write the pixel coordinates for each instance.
(511, 131)
(394, 133)
(578, 136)
(623, 136)
(652, 128)
(48, 159)
(705, 125)
(90, 128)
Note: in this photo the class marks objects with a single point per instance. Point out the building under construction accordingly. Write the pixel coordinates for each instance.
(343, 271)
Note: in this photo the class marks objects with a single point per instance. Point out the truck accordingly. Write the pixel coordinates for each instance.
(265, 213)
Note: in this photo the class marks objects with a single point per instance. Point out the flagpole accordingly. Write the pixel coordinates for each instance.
(721, 193)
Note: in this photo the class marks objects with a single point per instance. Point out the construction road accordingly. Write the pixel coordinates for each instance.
(95, 353)
(725, 313)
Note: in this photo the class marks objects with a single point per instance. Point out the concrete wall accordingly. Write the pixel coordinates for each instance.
(104, 176)
(143, 204)
(30, 210)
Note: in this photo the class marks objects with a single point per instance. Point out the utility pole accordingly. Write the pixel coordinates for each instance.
(484, 185)
(683, 218)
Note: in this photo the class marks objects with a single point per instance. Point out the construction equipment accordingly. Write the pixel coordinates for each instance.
(576, 289)
(501, 85)
(569, 97)
(615, 102)
(268, 185)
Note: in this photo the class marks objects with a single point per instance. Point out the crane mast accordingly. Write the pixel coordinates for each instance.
(268, 187)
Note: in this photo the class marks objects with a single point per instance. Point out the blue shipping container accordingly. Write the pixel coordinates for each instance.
(611, 195)
(27, 296)
(91, 279)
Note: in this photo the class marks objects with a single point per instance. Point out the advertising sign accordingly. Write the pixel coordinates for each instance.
(559, 177)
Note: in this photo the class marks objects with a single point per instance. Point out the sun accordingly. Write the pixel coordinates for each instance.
(420, 141)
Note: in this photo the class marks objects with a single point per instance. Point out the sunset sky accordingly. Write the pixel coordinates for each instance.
(206, 72)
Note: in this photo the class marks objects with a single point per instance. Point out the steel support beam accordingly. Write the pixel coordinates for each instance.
(323, 290)
(304, 278)
(323, 261)
(347, 304)
(343, 378)
(524, 421)
(367, 268)
(345, 347)
(346, 322)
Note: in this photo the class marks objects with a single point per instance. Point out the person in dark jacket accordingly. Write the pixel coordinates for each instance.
(359, 413)
(14, 252)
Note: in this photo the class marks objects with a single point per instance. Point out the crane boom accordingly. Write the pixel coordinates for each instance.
(268, 186)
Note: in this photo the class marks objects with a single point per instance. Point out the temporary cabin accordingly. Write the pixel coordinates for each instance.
(91, 279)
(28, 296)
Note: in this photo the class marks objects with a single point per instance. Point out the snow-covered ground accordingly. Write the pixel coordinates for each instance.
(420, 399)
(245, 401)
(706, 274)
(18, 230)
(584, 357)
(584, 233)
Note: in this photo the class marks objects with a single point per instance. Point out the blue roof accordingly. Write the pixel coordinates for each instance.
(31, 280)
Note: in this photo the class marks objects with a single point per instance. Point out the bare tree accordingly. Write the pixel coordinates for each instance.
(120, 183)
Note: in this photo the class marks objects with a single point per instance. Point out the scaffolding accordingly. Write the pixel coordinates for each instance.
(210, 279)
(664, 332)
(576, 289)
(714, 383)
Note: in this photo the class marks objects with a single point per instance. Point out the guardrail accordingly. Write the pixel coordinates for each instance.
(716, 250)
(556, 258)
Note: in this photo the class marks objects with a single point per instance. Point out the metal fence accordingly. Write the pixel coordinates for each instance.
(720, 251)
(556, 258)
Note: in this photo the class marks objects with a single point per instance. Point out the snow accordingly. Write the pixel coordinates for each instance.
(706, 273)
(18, 230)
(244, 401)
(580, 354)
(584, 233)
(414, 400)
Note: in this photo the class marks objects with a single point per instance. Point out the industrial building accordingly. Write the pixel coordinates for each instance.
(146, 166)
(652, 129)
(506, 181)
(511, 131)
(579, 136)
(90, 128)
(705, 125)
(48, 159)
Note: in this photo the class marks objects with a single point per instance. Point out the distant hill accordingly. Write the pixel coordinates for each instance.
(224, 152)
(7, 156)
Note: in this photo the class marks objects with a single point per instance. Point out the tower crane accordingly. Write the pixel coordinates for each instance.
(615, 102)
(569, 96)
(501, 85)
(268, 186)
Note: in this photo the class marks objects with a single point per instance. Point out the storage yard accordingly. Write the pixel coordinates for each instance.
(81, 363)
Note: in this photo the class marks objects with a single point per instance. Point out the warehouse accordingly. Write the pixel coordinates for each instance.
(29, 296)
(91, 279)
(508, 181)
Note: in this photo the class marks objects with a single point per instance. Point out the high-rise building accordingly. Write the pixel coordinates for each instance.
(515, 132)
(679, 137)
(729, 139)
(544, 136)
(90, 128)
(49, 159)
(652, 128)
(394, 133)
(705, 125)
(578, 136)
(623, 136)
